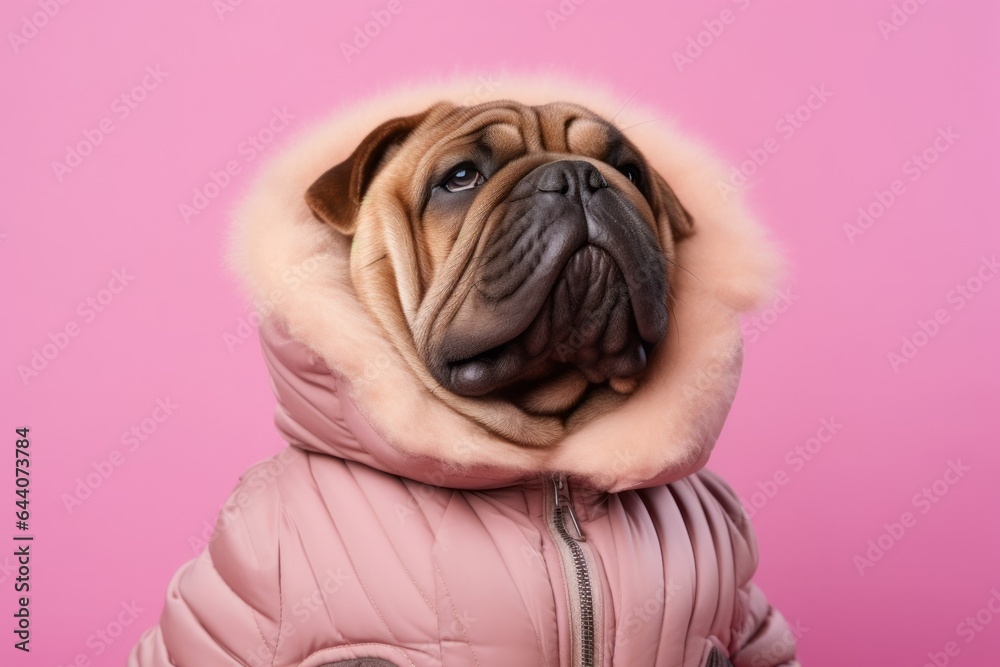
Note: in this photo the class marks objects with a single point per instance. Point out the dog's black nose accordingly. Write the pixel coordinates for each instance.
(569, 177)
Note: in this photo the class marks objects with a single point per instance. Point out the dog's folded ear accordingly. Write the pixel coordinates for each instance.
(336, 195)
(667, 203)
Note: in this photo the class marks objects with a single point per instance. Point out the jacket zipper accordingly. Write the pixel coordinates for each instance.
(583, 603)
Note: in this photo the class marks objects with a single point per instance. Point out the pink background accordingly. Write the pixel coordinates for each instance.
(823, 357)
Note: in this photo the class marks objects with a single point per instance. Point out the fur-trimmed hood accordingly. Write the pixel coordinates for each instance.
(342, 388)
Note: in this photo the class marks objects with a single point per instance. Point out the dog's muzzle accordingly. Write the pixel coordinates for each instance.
(571, 275)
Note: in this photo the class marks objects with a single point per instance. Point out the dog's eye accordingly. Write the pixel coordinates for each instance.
(632, 173)
(465, 177)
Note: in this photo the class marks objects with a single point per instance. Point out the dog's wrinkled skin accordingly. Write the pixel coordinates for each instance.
(519, 257)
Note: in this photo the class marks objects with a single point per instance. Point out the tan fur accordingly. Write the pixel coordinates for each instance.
(663, 431)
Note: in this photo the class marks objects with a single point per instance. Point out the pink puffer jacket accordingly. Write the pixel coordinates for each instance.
(393, 531)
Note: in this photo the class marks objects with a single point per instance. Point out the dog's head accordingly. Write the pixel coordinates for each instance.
(520, 253)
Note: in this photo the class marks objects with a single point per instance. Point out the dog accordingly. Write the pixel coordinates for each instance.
(535, 272)
(503, 337)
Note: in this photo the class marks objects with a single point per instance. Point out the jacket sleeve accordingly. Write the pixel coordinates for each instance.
(766, 639)
(222, 608)
(762, 637)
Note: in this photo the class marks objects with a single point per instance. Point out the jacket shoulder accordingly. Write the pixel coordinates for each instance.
(224, 607)
(244, 546)
(733, 534)
(716, 489)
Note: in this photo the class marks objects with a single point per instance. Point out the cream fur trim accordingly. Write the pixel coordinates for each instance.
(296, 269)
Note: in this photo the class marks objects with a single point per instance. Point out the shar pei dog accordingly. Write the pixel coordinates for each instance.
(503, 336)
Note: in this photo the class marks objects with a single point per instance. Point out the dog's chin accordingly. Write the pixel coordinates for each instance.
(589, 330)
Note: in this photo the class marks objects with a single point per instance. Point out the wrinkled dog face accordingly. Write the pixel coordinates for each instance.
(519, 253)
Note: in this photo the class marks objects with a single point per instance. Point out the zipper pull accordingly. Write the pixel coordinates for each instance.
(558, 485)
